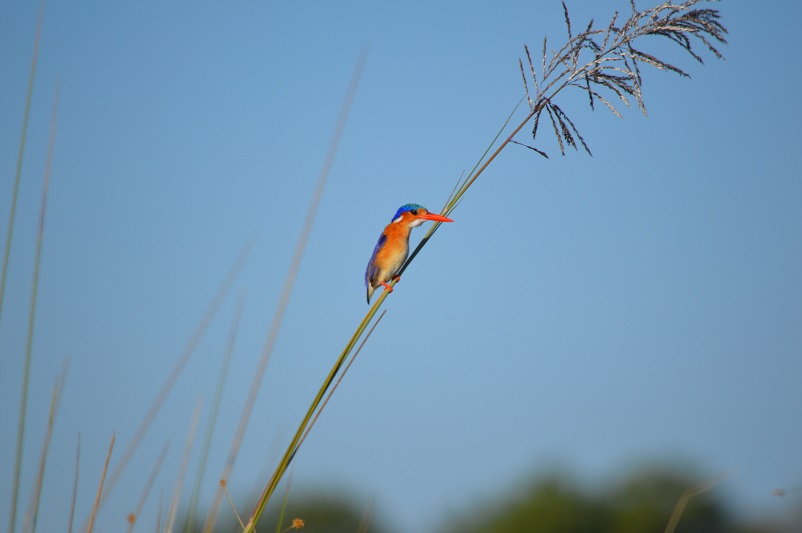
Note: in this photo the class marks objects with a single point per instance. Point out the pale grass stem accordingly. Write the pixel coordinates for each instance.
(210, 426)
(75, 484)
(289, 282)
(285, 500)
(55, 400)
(293, 446)
(686, 497)
(14, 194)
(32, 311)
(182, 469)
(337, 383)
(91, 525)
(222, 292)
(224, 488)
(132, 517)
(159, 515)
(367, 516)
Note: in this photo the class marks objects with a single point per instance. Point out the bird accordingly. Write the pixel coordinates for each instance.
(393, 247)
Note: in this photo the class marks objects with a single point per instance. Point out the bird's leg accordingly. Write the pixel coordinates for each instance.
(387, 286)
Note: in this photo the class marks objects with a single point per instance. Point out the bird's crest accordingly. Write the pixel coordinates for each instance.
(406, 207)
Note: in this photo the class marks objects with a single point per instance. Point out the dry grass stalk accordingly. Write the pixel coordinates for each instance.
(100, 486)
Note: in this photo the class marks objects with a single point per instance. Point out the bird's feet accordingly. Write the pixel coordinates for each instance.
(387, 286)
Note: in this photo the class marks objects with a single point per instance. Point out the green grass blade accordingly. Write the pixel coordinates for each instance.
(284, 501)
(337, 384)
(182, 469)
(292, 448)
(275, 326)
(218, 396)
(189, 349)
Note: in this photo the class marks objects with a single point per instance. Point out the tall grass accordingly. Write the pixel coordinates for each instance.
(605, 63)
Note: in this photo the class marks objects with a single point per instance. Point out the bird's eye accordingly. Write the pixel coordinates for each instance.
(414, 212)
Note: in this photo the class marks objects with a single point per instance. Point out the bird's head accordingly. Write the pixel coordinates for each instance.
(414, 215)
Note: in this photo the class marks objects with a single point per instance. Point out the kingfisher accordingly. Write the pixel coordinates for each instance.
(393, 247)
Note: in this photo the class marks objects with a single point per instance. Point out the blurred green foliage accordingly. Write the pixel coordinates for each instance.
(641, 502)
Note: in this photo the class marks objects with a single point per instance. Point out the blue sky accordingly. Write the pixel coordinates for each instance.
(587, 313)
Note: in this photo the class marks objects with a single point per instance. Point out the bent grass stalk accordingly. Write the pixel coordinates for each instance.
(686, 497)
(612, 66)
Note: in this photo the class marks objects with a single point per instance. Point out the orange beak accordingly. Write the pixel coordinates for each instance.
(436, 218)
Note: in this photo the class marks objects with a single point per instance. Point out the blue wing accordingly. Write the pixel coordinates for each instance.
(372, 272)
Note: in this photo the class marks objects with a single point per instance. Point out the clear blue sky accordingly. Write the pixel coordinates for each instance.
(587, 313)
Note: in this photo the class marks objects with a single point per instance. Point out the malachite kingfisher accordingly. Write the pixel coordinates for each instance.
(393, 247)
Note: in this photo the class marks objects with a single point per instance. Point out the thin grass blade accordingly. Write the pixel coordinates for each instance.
(154, 408)
(13, 210)
(182, 469)
(100, 486)
(26, 375)
(75, 484)
(288, 283)
(211, 424)
(55, 400)
(132, 518)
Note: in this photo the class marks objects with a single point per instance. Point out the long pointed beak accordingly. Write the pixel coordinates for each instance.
(436, 218)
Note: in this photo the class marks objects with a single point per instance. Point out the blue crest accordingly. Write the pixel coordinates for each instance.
(407, 207)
